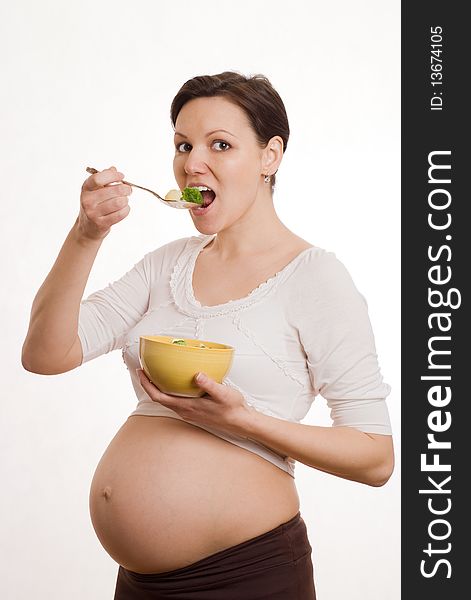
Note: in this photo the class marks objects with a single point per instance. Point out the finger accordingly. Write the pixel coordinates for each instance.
(107, 221)
(102, 178)
(154, 392)
(213, 388)
(112, 191)
(111, 206)
(149, 387)
(105, 200)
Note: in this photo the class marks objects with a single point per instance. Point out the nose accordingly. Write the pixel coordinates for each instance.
(196, 162)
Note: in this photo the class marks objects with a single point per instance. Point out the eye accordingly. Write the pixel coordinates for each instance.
(183, 147)
(221, 146)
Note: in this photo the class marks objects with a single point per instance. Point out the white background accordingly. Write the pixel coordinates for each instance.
(90, 83)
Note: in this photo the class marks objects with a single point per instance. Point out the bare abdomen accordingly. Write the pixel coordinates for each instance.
(166, 494)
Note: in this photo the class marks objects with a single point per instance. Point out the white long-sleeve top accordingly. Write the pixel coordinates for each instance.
(303, 332)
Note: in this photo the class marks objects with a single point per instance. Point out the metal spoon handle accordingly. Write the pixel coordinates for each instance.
(170, 203)
(93, 171)
(144, 188)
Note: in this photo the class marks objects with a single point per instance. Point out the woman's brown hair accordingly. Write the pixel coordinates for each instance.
(255, 95)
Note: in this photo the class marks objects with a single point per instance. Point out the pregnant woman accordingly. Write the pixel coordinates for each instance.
(196, 498)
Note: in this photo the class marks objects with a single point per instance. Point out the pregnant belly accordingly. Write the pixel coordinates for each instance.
(166, 494)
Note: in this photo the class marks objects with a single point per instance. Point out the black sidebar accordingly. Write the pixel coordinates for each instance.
(436, 332)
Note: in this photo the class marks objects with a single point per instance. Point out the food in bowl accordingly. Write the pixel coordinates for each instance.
(182, 342)
(172, 363)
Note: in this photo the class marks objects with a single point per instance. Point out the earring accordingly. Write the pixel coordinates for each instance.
(267, 178)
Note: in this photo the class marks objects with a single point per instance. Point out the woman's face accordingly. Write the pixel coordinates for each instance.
(216, 147)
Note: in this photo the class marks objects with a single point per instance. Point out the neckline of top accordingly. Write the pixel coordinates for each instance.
(251, 297)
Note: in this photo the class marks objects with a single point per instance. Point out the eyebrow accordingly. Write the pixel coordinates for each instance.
(208, 134)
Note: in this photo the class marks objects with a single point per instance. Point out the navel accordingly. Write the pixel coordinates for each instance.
(106, 492)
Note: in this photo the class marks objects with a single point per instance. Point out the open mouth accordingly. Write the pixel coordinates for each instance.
(207, 193)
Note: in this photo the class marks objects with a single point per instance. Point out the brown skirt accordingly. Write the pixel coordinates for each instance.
(273, 566)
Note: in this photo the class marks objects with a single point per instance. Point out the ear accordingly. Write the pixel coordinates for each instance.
(272, 155)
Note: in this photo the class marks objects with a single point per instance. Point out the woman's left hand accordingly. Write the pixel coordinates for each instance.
(221, 406)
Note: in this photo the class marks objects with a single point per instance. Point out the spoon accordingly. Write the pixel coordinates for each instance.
(171, 203)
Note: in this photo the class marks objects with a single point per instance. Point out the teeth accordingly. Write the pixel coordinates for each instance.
(203, 188)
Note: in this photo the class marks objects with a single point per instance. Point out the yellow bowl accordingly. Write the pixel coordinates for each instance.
(172, 367)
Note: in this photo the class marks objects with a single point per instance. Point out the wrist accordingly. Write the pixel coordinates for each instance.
(248, 421)
(83, 237)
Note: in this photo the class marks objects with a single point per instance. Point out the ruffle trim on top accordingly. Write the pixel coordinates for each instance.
(181, 284)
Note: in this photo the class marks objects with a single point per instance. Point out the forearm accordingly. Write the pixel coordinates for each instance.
(342, 451)
(52, 333)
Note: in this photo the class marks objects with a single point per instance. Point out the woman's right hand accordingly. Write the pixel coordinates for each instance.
(103, 202)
